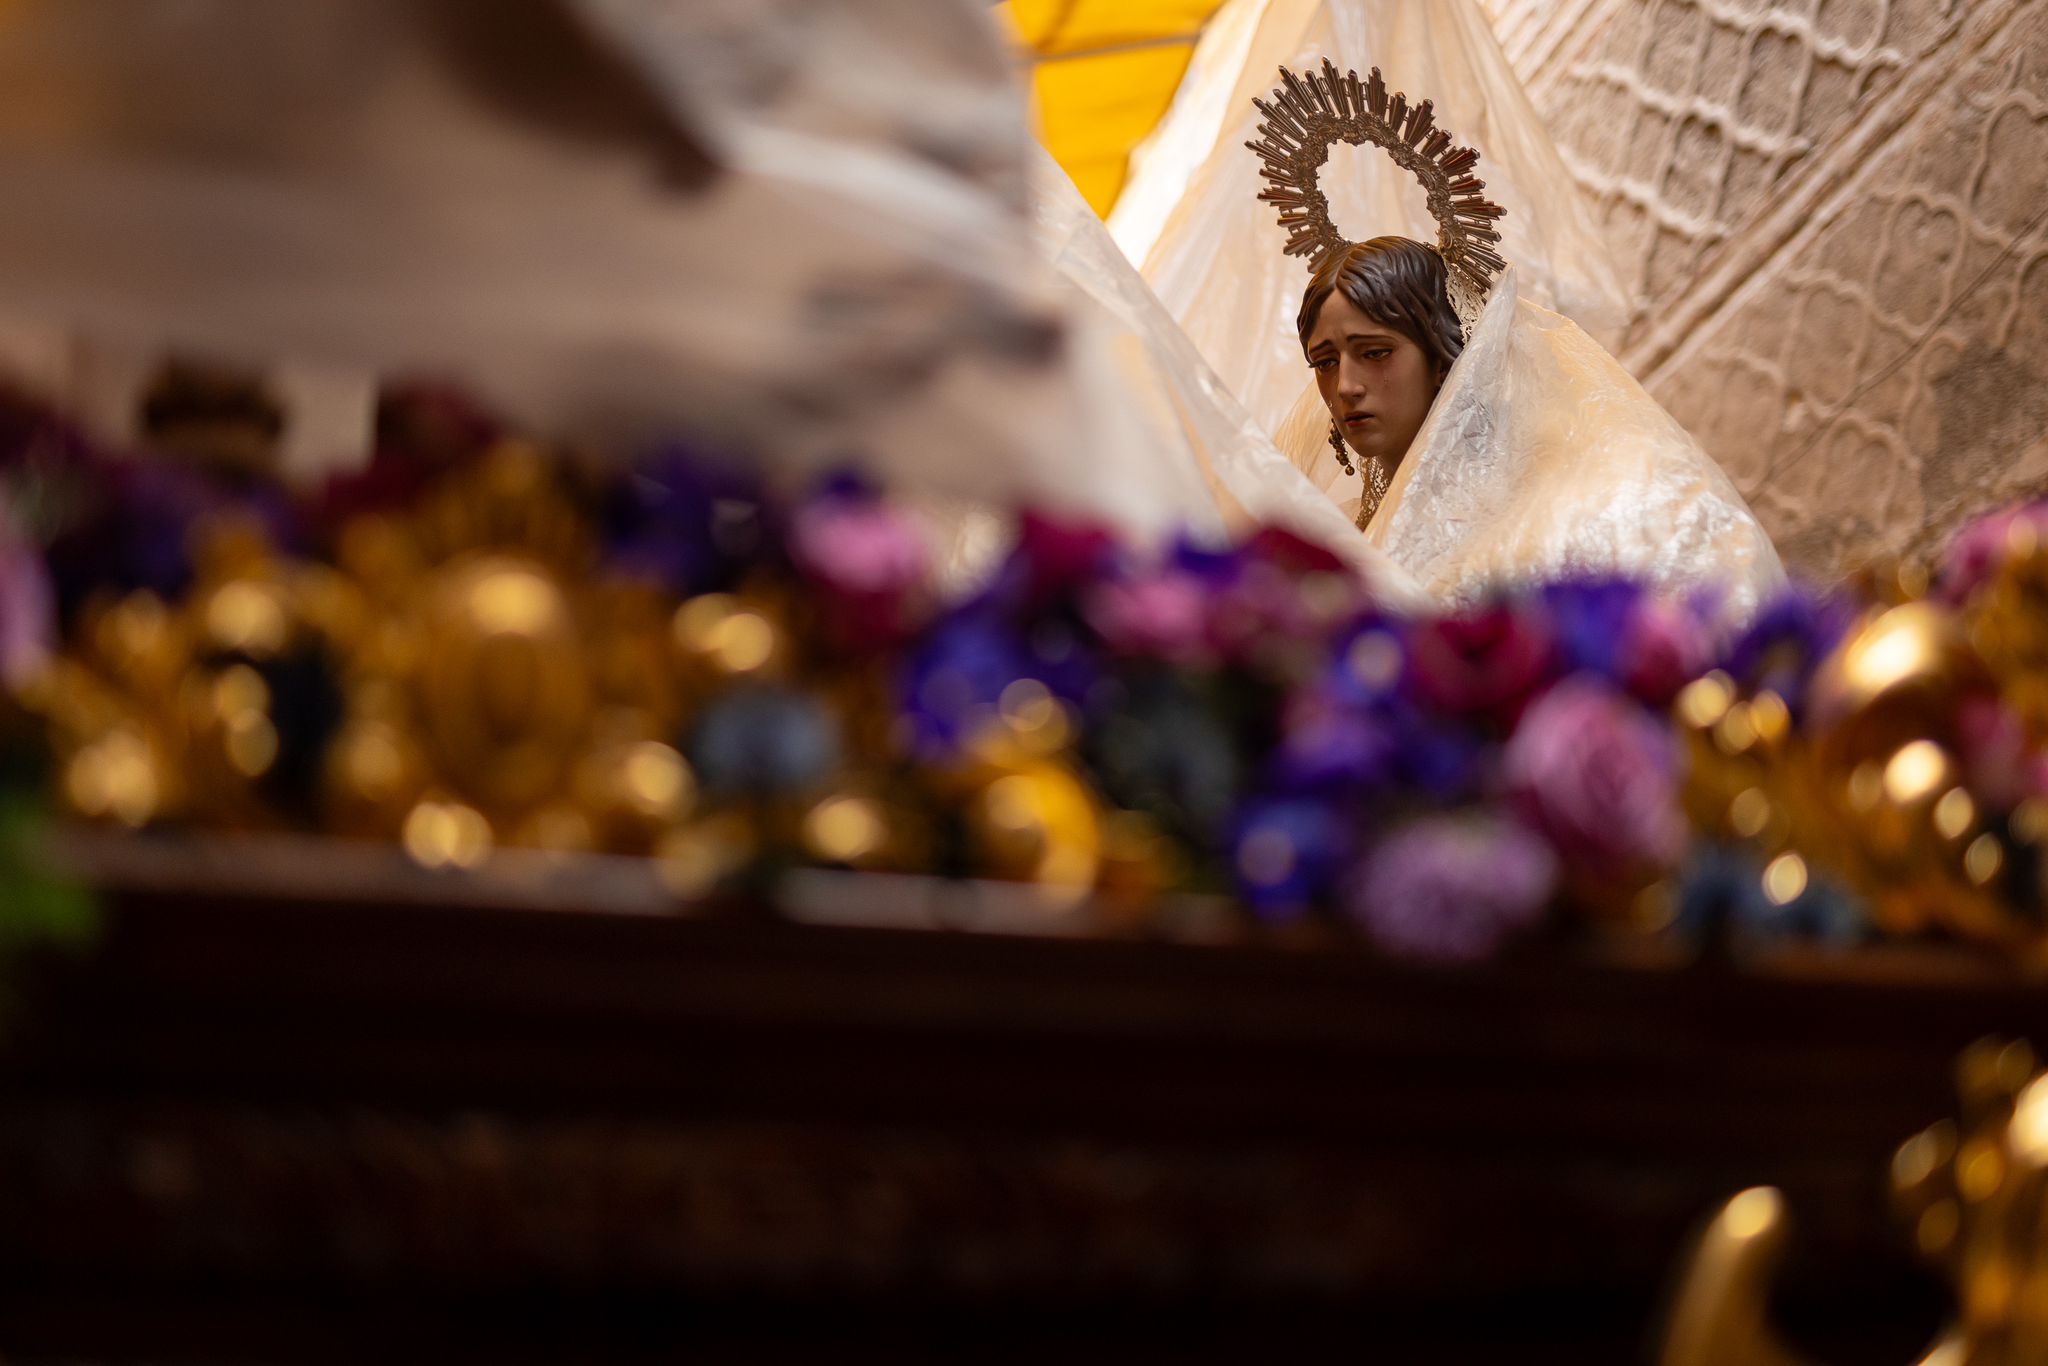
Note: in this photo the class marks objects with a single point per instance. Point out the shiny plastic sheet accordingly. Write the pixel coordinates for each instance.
(1542, 458)
(1212, 252)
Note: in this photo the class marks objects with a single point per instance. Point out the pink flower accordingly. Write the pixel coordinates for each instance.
(867, 556)
(1261, 614)
(1165, 614)
(1979, 548)
(1596, 773)
(2002, 769)
(1452, 888)
(1286, 550)
(27, 617)
(1663, 648)
(1488, 660)
(857, 546)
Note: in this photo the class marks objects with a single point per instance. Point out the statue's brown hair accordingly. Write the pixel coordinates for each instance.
(1398, 283)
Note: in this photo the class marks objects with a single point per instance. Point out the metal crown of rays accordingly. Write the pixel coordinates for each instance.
(1309, 114)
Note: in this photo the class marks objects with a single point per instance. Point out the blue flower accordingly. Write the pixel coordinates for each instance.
(1589, 622)
(759, 741)
(1286, 854)
(955, 675)
(1329, 747)
(1723, 902)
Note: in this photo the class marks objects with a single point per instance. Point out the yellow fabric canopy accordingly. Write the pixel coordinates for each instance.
(1103, 72)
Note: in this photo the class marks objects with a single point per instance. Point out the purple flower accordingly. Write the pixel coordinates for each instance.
(2003, 769)
(1272, 600)
(141, 533)
(1367, 662)
(1597, 775)
(27, 612)
(1627, 635)
(1160, 615)
(425, 430)
(955, 676)
(1261, 616)
(1445, 761)
(1052, 562)
(686, 521)
(1452, 888)
(1295, 554)
(1589, 619)
(1787, 640)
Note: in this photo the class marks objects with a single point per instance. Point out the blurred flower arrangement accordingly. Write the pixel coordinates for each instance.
(474, 644)
(36, 905)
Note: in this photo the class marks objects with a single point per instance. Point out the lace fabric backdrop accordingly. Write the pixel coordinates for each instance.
(1831, 218)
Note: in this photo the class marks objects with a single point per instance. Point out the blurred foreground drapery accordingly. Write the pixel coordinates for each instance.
(804, 235)
(802, 232)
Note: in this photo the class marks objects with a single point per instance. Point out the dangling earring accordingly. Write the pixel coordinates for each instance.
(1337, 445)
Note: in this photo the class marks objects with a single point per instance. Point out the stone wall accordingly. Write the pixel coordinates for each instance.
(1833, 212)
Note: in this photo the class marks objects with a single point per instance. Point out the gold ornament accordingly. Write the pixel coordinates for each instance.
(482, 676)
(504, 691)
(1736, 771)
(862, 829)
(163, 713)
(632, 792)
(1883, 765)
(693, 860)
(2008, 623)
(1038, 823)
(1975, 1196)
(719, 637)
(375, 773)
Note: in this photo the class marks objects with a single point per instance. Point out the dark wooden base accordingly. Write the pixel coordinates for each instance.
(255, 1127)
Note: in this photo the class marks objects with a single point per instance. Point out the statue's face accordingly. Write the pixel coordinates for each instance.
(1377, 384)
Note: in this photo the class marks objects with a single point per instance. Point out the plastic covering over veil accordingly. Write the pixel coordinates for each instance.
(1543, 458)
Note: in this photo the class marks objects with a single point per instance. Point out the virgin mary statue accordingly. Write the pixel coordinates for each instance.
(1443, 395)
